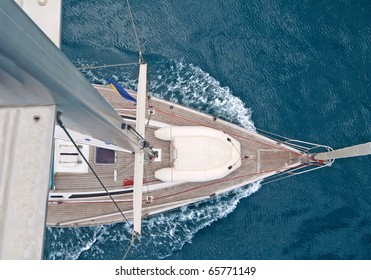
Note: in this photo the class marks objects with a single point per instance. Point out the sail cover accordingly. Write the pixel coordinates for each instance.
(33, 71)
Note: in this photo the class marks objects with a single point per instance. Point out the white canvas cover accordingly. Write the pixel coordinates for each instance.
(198, 154)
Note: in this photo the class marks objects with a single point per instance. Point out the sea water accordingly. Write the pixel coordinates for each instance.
(301, 69)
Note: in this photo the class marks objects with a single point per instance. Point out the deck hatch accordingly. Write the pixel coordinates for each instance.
(105, 156)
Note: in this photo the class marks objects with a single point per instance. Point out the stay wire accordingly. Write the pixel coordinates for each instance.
(135, 32)
(145, 177)
(60, 123)
(133, 236)
(149, 119)
(106, 65)
(136, 133)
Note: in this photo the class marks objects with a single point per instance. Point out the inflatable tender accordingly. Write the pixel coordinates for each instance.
(198, 154)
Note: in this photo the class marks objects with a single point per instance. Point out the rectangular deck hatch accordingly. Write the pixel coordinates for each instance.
(67, 159)
(105, 156)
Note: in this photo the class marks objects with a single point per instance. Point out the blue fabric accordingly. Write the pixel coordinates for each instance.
(121, 91)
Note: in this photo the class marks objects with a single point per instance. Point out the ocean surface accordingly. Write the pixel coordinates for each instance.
(301, 69)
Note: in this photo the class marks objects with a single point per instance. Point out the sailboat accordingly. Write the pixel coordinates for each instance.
(103, 154)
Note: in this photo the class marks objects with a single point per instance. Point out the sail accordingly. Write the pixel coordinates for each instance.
(29, 60)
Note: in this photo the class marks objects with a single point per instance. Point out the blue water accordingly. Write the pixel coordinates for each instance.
(301, 69)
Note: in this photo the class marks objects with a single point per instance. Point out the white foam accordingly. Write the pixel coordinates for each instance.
(71, 243)
(189, 85)
(165, 233)
(183, 83)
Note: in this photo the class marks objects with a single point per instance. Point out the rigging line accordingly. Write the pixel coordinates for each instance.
(291, 142)
(280, 176)
(149, 199)
(149, 118)
(275, 179)
(60, 123)
(135, 32)
(133, 236)
(283, 175)
(216, 182)
(232, 134)
(230, 141)
(284, 172)
(271, 133)
(134, 132)
(106, 65)
(145, 177)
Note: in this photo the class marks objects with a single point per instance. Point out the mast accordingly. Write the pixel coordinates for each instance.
(352, 151)
(58, 81)
(50, 24)
(27, 121)
(37, 80)
(139, 153)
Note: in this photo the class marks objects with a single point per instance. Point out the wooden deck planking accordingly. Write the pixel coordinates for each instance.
(263, 155)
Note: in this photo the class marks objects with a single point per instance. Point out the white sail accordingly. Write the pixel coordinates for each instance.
(353, 151)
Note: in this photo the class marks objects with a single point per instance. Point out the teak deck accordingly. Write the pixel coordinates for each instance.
(261, 157)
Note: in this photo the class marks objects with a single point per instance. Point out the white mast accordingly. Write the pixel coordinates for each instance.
(27, 120)
(47, 15)
(352, 151)
(36, 81)
(139, 154)
(58, 81)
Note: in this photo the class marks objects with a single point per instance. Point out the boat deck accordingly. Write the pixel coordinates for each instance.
(260, 156)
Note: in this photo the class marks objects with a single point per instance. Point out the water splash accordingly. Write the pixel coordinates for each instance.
(182, 83)
(190, 86)
(166, 233)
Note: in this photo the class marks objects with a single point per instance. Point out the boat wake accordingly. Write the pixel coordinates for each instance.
(165, 233)
(182, 83)
(190, 86)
